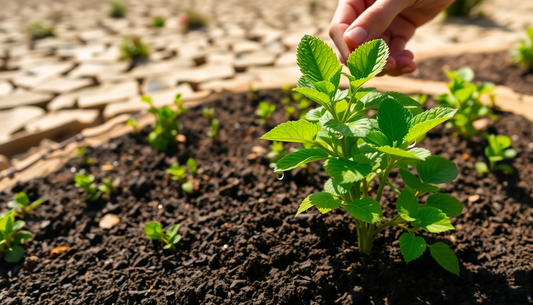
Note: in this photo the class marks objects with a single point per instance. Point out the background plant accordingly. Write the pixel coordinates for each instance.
(462, 8)
(165, 126)
(185, 175)
(12, 237)
(133, 48)
(117, 9)
(193, 20)
(171, 237)
(86, 182)
(296, 105)
(523, 55)
(158, 22)
(21, 204)
(132, 122)
(465, 97)
(358, 149)
(265, 111)
(277, 151)
(497, 150)
(209, 114)
(38, 30)
(80, 153)
(108, 186)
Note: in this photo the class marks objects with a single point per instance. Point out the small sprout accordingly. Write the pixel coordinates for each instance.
(462, 8)
(265, 111)
(80, 153)
(12, 237)
(209, 114)
(134, 49)
(523, 55)
(158, 22)
(87, 184)
(132, 122)
(252, 92)
(497, 150)
(184, 178)
(193, 20)
(277, 152)
(165, 127)
(21, 204)
(109, 187)
(117, 9)
(38, 30)
(154, 231)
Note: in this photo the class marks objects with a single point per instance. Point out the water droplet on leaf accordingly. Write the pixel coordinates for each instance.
(280, 175)
(412, 145)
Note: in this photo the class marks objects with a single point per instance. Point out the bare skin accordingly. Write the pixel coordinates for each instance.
(395, 21)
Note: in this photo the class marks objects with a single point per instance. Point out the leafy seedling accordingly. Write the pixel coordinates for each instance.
(12, 237)
(21, 204)
(252, 92)
(132, 122)
(171, 237)
(86, 182)
(117, 9)
(462, 8)
(296, 105)
(465, 97)
(165, 127)
(523, 55)
(497, 150)
(265, 111)
(132, 48)
(158, 22)
(209, 114)
(108, 186)
(185, 175)
(277, 152)
(38, 30)
(80, 153)
(357, 149)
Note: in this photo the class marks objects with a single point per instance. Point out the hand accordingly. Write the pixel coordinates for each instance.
(395, 21)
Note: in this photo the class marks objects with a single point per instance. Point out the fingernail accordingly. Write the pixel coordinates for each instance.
(357, 35)
(407, 70)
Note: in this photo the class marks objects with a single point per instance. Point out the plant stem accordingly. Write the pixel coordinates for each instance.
(385, 225)
(383, 179)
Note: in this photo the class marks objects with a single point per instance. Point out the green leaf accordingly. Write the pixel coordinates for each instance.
(14, 205)
(293, 131)
(304, 83)
(314, 115)
(14, 255)
(482, 168)
(319, 97)
(175, 239)
(344, 171)
(21, 198)
(36, 204)
(299, 158)
(17, 225)
(304, 206)
(407, 206)
(326, 88)
(341, 95)
(187, 187)
(404, 100)
(412, 247)
(377, 137)
(358, 126)
(433, 220)
(21, 237)
(365, 209)
(414, 182)
(173, 230)
(393, 120)
(436, 170)
(191, 165)
(415, 153)
(316, 59)
(449, 205)
(336, 189)
(323, 201)
(153, 230)
(425, 121)
(445, 256)
(369, 59)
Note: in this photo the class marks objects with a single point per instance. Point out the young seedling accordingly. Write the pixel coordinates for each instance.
(132, 122)
(87, 184)
(165, 127)
(462, 8)
(252, 92)
(12, 237)
(154, 231)
(80, 153)
(497, 150)
(117, 9)
(184, 178)
(209, 114)
(265, 111)
(132, 48)
(465, 97)
(277, 152)
(38, 30)
(158, 22)
(523, 55)
(21, 204)
(357, 150)
(108, 186)
(193, 20)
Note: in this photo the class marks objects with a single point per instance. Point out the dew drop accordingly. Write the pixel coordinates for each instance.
(378, 170)
(226, 246)
(82, 171)
(72, 169)
(159, 207)
(340, 136)
(280, 175)
(115, 163)
(412, 145)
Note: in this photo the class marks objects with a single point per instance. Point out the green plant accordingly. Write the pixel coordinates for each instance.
(165, 126)
(86, 182)
(108, 186)
(252, 92)
(295, 101)
(523, 55)
(465, 97)
(180, 174)
(21, 204)
(80, 153)
(154, 231)
(132, 122)
(158, 22)
(193, 20)
(265, 111)
(133, 48)
(209, 114)
(38, 30)
(497, 150)
(117, 9)
(358, 149)
(277, 152)
(462, 8)
(12, 237)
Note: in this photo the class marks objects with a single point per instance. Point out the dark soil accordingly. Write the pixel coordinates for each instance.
(243, 245)
(491, 67)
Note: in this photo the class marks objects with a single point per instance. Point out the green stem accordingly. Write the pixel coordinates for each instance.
(383, 226)
(383, 179)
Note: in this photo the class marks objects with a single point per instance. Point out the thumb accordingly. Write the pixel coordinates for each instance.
(373, 22)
